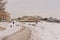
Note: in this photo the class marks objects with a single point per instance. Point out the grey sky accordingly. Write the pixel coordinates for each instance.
(44, 8)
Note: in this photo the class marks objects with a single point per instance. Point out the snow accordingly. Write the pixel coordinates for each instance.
(41, 31)
(9, 30)
(44, 31)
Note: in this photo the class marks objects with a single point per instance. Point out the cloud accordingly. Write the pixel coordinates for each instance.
(34, 7)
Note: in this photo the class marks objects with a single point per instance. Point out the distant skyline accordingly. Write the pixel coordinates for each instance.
(44, 8)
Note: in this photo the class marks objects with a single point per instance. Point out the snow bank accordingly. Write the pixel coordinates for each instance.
(9, 30)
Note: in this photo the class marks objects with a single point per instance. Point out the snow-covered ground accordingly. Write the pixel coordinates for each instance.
(40, 31)
(9, 30)
(44, 30)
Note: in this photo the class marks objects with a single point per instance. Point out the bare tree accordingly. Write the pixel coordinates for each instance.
(2, 5)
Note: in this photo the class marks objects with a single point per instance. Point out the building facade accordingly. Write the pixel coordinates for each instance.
(5, 16)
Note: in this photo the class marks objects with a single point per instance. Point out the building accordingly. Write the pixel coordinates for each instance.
(28, 19)
(4, 16)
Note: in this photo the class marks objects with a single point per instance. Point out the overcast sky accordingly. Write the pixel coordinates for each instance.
(44, 8)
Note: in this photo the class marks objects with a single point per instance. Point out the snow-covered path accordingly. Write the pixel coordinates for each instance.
(44, 31)
(40, 31)
(9, 30)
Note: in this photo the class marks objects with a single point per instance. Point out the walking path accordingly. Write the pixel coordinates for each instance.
(15, 32)
(23, 34)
